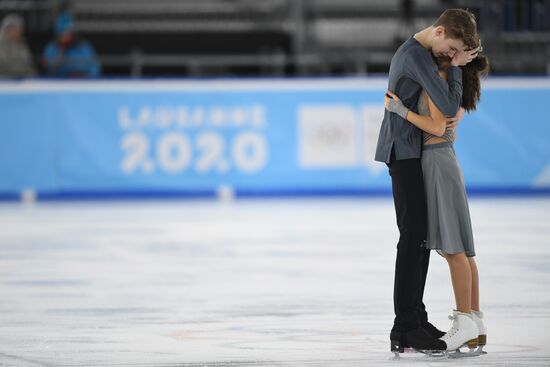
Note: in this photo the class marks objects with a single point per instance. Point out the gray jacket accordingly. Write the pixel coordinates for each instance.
(413, 69)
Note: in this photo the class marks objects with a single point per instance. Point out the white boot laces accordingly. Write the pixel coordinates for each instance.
(454, 327)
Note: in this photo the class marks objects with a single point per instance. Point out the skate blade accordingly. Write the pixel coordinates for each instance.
(418, 355)
(434, 353)
(471, 353)
(480, 350)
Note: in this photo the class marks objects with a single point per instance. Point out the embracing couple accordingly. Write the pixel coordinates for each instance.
(434, 78)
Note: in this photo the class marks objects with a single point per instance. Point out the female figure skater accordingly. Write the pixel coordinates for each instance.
(449, 226)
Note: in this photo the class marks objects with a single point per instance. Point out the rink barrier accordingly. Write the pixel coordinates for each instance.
(73, 140)
(248, 194)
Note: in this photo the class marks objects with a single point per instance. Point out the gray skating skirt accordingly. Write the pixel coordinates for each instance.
(449, 224)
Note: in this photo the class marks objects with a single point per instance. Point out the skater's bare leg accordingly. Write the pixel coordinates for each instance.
(476, 314)
(461, 277)
(475, 284)
(464, 330)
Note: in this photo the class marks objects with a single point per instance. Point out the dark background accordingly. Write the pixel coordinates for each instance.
(212, 38)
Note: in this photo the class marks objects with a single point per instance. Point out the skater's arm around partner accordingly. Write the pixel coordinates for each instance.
(435, 123)
(446, 95)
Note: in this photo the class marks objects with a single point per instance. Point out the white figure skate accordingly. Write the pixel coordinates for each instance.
(477, 316)
(463, 332)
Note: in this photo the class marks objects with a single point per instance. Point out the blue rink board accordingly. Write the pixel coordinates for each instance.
(115, 139)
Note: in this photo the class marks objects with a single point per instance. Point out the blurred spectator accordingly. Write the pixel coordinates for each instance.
(69, 56)
(406, 22)
(15, 57)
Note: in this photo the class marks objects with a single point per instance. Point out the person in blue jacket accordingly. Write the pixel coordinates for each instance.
(69, 56)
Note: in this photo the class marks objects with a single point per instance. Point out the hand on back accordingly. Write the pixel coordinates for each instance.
(452, 122)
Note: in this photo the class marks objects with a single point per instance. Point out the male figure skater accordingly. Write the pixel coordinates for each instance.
(412, 69)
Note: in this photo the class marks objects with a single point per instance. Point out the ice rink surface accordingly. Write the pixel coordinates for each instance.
(251, 283)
